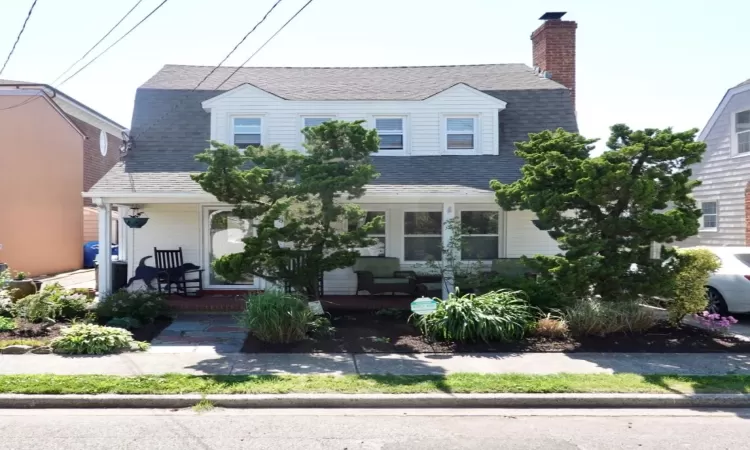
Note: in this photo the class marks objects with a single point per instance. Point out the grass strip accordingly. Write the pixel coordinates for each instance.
(387, 384)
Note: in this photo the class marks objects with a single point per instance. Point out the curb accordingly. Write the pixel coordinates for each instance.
(380, 401)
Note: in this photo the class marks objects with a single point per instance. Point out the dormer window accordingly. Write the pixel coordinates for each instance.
(460, 133)
(247, 132)
(391, 132)
(742, 131)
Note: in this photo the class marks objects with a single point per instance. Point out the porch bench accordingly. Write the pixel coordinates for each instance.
(378, 275)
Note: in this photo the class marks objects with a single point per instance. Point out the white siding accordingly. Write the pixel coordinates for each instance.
(170, 226)
(424, 119)
(724, 179)
(524, 238)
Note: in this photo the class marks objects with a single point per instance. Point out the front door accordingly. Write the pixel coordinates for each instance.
(222, 235)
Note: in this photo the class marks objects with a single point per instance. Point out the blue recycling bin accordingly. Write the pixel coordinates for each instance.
(91, 249)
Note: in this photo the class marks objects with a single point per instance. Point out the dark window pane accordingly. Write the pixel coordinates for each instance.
(479, 247)
(742, 120)
(391, 141)
(246, 140)
(460, 141)
(709, 221)
(315, 121)
(745, 258)
(389, 125)
(708, 207)
(423, 222)
(422, 248)
(743, 142)
(479, 222)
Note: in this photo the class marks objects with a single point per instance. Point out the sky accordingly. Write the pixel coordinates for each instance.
(643, 63)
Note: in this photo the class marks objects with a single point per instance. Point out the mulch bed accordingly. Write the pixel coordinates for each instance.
(366, 332)
(28, 330)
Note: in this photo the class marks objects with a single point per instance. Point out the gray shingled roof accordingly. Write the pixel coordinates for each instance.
(171, 126)
(744, 83)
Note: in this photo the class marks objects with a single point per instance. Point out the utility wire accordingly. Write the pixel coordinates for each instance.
(116, 42)
(18, 38)
(98, 42)
(179, 103)
(237, 69)
(18, 105)
(238, 44)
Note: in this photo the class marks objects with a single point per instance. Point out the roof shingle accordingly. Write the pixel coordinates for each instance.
(172, 127)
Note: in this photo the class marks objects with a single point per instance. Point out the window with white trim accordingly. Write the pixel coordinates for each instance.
(479, 235)
(391, 132)
(376, 233)
(710, 218)
(742, 131)
(312, 122)
(247, 131)
(460, 133)
(423, 235)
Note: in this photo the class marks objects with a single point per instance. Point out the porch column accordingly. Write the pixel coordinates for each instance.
(449, 212)
(122, 234)
(104, 257)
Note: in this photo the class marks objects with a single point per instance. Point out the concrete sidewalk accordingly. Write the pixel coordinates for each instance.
(212, 363)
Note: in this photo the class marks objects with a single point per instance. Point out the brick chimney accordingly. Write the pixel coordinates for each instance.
(554, 46)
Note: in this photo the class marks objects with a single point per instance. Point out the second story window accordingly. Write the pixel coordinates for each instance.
(391, 133)
(460, 133)
(742, 130)
(247, 131)
(314, 121)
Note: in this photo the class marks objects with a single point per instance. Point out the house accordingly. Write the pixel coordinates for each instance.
(724, 194)
(52, 148)
(445, 131)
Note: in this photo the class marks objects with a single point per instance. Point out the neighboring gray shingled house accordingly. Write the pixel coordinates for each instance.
(724, 194)
(446, 132)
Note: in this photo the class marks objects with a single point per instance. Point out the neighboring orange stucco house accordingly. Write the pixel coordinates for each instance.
(52, 148)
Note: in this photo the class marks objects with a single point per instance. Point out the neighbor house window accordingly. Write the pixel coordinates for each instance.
(460, 133)
(742, 130)
(710, 215)
(376, 233)
(247, 131)
(312, 122)
(423, 231)
(391, 133)
(479, 235)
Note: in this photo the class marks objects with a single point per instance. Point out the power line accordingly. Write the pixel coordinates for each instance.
(116, 42)
(238, 44)
(18, 38)
(98, 42)
(237, 69)
(179, 103)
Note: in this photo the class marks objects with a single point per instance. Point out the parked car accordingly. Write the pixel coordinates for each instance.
(729, 287)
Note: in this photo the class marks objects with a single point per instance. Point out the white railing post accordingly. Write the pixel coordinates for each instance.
(104, 257)
(449, 212)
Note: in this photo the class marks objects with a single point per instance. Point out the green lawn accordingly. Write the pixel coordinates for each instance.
(390, 384)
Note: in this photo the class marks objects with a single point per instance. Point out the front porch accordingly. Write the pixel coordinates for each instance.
(415, 229)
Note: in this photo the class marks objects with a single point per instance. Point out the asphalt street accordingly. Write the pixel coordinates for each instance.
(281, 429)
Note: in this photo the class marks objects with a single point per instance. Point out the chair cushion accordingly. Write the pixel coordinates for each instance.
(390, 281)
(380, 267)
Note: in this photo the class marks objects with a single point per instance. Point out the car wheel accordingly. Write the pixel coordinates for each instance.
(716, 303)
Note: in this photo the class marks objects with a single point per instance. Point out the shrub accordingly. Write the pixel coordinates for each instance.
(128, 323)
(542, 293)
(321, 327)
(7, 324)
(498, 315)
(87, 339)
(277, 317)
(53, 302)
(551, 327)
(144, 306)
(6, 304)
(688, 288)
(595, 317)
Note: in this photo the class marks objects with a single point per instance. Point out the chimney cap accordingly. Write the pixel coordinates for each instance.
(552, 16)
